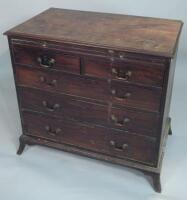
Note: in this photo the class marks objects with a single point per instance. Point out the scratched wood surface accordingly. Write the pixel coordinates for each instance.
(122, 32)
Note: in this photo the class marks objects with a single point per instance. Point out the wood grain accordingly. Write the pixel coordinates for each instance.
(125, 32)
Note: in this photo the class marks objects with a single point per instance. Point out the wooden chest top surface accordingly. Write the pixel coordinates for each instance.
(121, 32)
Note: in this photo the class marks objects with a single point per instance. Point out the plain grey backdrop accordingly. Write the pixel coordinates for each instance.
(42, 173)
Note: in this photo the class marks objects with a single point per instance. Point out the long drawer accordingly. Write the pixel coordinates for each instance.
(99, 139)
(69, 107)
(99, 89)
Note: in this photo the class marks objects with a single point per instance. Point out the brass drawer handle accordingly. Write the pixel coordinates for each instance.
(118, 147)
(123, 97)
(50, 108)
(120, 74)
(118, 122)
(52, 132)
(45, 61)
(49, 83)
(112, 59)
(122, 56)
(111, 52)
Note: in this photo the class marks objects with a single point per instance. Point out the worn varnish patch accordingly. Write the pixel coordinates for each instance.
(123, 32)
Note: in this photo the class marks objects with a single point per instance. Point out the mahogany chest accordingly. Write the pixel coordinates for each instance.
(96, 84)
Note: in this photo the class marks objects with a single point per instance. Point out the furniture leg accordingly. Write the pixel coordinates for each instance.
(21, 146)
(156, 182)
(170, 131)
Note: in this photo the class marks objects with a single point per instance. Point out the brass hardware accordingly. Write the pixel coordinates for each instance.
(44, 44)
(122, 56)
(120, 74)
(53, 82)
(124, 146)
(126, 120)
(113, 117)
(113, 91)
(125, 96)
(42, 79)
(112, 142)
(110, 51)
(46, 62)
(118, 147)
(50, 108)
(114, 71)
(49, 83)
(51, 132)
(119, 122)
(112, 59)
(47, 128)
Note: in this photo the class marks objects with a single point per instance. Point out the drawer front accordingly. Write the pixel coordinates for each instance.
(133, 147)
(99, 139)
(63, 82)
(68, 132)
(63, 106)
(144, 123)
(135, 96)
(46, 58)
(139, 72)
(88, 87)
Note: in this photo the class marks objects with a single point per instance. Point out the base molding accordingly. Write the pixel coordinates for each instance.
(156, 182)
(152, 171)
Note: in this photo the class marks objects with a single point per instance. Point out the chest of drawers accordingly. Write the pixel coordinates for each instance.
(96, 84)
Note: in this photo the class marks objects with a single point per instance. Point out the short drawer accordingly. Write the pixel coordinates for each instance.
(139, 97)
(133, 147)
(99, 139)
(64, 106)
(46, 58)
(132, 71)
(144, 123)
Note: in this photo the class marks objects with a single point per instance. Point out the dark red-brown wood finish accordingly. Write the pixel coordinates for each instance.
(100, 86)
